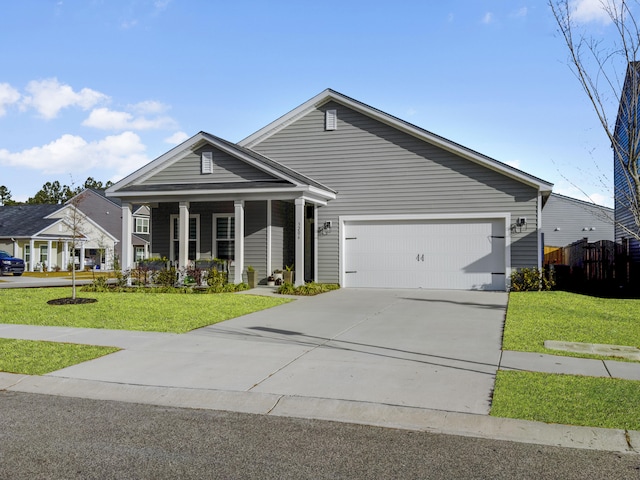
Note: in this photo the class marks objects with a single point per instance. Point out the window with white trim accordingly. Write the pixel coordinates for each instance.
(141, 225)
(193, 237)
(139, 253)
(224, 232)
(206, 162)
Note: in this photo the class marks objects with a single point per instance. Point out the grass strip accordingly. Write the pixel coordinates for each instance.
(124, 311)
(567, 399)
(30, 357)
(533, 317)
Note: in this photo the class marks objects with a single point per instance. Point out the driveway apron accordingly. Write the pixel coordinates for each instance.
(417, 348)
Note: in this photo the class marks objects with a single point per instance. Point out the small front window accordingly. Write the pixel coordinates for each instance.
(142, 225)
(194, 228)
(139, 253)
(224, 235)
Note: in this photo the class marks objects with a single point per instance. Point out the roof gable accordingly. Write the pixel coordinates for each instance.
(234, 167)
(224, 168)
(424, 135)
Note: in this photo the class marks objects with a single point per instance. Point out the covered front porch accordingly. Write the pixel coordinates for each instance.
(265, 234)
(210, 198)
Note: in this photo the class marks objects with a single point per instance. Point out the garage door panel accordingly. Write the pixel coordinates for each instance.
(460, 254)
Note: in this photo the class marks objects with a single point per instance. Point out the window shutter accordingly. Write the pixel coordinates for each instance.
(207, 162)
(331, 120)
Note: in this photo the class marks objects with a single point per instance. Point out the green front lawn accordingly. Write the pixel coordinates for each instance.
(37, 358)
(162, 312)
(533, 317)
(567, 399)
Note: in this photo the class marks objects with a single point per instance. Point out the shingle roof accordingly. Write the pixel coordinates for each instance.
(25, 220)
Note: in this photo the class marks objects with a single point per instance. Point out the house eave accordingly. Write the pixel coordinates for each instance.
(310, 193)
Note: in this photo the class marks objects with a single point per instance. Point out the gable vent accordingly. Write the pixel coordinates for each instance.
(331, 119)
(206, 162)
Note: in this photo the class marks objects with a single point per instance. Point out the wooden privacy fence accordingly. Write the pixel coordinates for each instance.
(603, 261)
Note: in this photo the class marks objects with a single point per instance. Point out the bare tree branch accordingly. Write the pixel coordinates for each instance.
(598, 66)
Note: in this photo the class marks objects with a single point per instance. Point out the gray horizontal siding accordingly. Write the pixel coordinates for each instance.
(255, 243)
(226, 169)
(377, 169)
(565, 221)
(278, 221)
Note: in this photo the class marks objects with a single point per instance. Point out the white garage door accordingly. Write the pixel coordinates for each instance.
(464, 254)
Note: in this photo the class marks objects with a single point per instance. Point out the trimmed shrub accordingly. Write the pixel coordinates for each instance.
(531, 280)
(308, 289)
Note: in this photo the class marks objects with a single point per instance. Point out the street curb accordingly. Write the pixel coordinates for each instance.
(344, 411)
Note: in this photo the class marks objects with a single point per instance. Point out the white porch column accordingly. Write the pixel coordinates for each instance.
(299, 233)
(126, 262)
(183, 229)
(81, 256)
(315, 243)
(269, 238)
(49, 254)
(238, 207)
(65, 256)
(32, 255)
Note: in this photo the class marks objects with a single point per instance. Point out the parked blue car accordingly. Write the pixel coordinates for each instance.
(10, 264)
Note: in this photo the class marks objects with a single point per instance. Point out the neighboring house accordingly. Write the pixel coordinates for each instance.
(107, 213)
(627, 140)
(347, 193)
(566, 220)
(141, 232)
(43, 235)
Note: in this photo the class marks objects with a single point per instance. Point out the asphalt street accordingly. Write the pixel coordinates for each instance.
(48, 437)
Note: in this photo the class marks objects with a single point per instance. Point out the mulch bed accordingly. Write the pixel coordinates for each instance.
(72, 301)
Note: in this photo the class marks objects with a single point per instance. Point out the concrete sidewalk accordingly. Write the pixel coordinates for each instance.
(349, 359)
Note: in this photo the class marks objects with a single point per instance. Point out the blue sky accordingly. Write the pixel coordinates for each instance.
(99, 88)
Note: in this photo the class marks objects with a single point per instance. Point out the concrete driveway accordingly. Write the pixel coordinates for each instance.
(417, 348)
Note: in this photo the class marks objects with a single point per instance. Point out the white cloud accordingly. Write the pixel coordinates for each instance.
(521, 12)
(106, 119)
(49, 96)
(513, 163)
(122, 153)
(161, 4)
(176, 138)
(600, 199)
(584, 11)
(149, 107)
(127, 24)
(8, 96)
(569, 190)
(488, 18)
